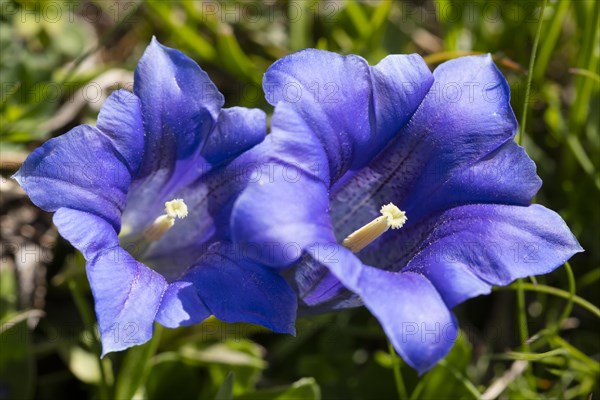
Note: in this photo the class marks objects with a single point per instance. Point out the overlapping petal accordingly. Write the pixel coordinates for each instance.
(287, 215)
(495, 243)
(127, 296)
(87, 232)
(455, 149)
(180, 106)
(120, 119)
(410, 310)
(88, 168)
(224, 282)
(181, 306)
(353, 108)
(291, 172)
(238, 129)
(237, 289)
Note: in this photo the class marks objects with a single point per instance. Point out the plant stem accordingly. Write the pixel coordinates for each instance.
(536, 41)
(88, 320)
(400, 387)
(556, 292)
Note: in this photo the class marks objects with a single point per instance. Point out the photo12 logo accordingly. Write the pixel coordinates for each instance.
(68, 11)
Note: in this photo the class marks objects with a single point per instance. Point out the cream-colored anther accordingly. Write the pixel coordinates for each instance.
(176, 208)
(391, 217)
(173, 209)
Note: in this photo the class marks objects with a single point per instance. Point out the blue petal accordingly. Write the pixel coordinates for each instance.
(410, 310)
(127, 295)
(236, 289)
(81, 170)
(281, 215)
(120, 119)
(284, 208)
(466, 131)
(400, 83)
(317, 288)
(111, 269)
(238, 129)
(180, 105)
(293, 143)
(88, 233)
(472, 246)
(181, 306)
(454, 150)
(340, 98)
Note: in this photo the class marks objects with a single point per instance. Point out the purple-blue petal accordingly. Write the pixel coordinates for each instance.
(88, 233)
(400, 83)
(180, 105)
(236, 289)
(284, 208)
(456, 149)
(181, 306)
(282, 214)
(127, 296)
(120, 119)
(464, 120)
(81, 170)
(472, 246)
(238, 129)
(409, 308)
(294, 143)
(340, 98)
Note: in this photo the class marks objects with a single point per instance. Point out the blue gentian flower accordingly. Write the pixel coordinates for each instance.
(146, 196)
(356, 150)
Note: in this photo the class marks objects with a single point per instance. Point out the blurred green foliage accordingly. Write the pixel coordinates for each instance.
(59, 61)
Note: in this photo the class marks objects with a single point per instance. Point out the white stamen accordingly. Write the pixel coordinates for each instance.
(391, 217)
(173, 209)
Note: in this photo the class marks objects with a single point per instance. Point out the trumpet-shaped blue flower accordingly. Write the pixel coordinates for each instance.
(347, 140)
(146, 196)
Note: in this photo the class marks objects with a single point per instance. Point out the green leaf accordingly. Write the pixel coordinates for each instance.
(136, 366)
(185, 34)
(301, 25)
(17, 367)
(222, 353)
(84, 364)
(8, 290)
(304, 389)
(443, 380)
(243, 357)
(170, 376)
(226, 389)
